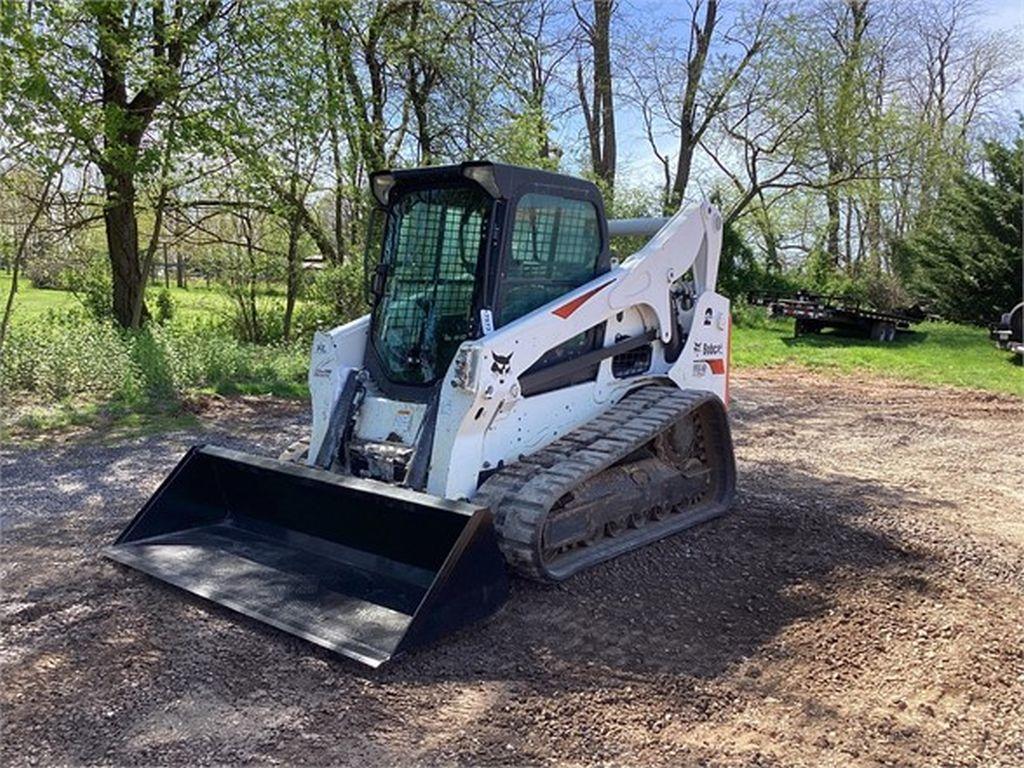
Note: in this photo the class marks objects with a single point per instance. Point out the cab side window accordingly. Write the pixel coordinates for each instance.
(556, 243)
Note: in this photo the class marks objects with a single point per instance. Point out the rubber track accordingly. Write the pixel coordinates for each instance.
(521, 495)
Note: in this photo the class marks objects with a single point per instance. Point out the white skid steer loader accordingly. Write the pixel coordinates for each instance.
(514, 398)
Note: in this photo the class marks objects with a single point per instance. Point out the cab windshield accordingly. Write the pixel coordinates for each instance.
(432, 243)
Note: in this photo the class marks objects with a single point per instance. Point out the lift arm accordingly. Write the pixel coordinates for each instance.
(484, 380)
(492, 365)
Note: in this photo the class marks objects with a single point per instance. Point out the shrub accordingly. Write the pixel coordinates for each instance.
(71, 355)
(967, 257)
(61, 354)
(93, 287)
(164, 307)
(336, 295)
(747, 315)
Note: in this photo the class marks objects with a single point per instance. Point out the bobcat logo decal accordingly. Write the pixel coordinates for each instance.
(502, 363)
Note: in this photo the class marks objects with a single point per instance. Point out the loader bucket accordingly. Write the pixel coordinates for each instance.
(359, 567)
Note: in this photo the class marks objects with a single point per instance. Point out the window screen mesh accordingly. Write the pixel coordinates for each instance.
(431, 249)
(556, 242)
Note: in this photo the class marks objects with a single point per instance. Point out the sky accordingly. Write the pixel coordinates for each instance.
(637, 165)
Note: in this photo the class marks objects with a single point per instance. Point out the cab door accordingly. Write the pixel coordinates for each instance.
(555, 245)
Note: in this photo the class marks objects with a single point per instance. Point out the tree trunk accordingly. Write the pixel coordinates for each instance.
(832, 230)
(126, 121)
(605, 169)
(689, 133)
(180, 268)
(763, 220)
(848, 240)
(122, 231)
(598, 110)
(683, 167)
(333, 117)
(419, 83)
(873, 228)
(18, 257)
(293, 274)
(847, 113)
(419, 107)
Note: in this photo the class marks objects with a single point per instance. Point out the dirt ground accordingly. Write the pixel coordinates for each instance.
(863, 605)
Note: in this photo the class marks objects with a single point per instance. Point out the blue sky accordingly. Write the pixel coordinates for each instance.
(637, 165)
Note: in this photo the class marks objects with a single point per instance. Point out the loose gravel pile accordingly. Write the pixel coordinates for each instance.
(863, 605)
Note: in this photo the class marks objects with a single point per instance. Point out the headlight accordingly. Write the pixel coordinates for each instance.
(380, 185)
(483, 175)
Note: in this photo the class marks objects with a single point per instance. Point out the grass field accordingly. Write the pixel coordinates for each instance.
(934, 353)
(196, 300)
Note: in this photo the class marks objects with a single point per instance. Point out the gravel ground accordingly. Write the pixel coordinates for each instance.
(863, 605)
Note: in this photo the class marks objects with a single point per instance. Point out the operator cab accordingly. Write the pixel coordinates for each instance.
(468, 248)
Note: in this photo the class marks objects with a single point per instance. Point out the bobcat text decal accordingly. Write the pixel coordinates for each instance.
(713, 356)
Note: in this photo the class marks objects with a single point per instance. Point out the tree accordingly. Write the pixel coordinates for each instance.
(838, 104)
(968, 260)
(951, 74)
(692, 92)
(51, 170)
(598, 109)
(79, 65)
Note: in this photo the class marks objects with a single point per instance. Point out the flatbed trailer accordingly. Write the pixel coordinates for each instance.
(812, 312)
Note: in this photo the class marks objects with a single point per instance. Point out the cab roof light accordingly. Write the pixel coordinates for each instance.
(483, 174)
(380, 185)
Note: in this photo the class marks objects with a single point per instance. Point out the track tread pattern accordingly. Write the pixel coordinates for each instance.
(522, 494)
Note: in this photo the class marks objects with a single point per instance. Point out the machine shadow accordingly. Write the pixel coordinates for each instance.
(831, 338)
(696, 606)
(693, 605)
(700, 602)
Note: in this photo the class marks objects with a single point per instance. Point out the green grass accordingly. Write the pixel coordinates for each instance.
(934, 353)
(195, 301)
(33, 301)
(110, 423)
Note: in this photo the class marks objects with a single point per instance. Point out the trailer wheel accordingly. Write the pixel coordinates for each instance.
(803, 326)
(882, 331)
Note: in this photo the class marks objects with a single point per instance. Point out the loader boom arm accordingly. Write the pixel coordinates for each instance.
(485, 375)
(689, 240)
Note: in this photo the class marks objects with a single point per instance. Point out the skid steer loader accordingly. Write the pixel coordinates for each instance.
(514, 398)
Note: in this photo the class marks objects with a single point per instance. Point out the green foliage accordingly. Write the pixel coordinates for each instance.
(968, 259)
(62, 354)
(336, 295)
(740, 272)
(524, 140)
(884, 291)
(46, 273)
(819, 275)
(92, 287)
(165, 307)
(628, 203)
(746, 315)
(67, 354)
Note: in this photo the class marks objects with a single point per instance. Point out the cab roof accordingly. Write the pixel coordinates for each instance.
(499, 180)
